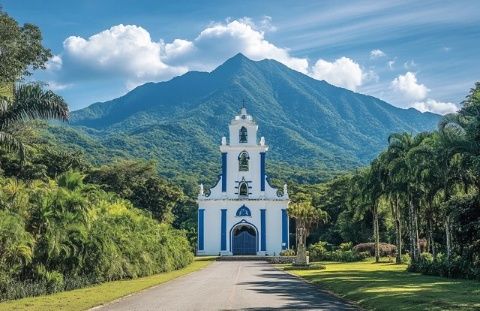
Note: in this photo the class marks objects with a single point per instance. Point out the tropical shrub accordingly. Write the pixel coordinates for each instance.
(385, 249)
(441, 265)
(64, 234)
(344, 253)
(318, 251)
(287, 252)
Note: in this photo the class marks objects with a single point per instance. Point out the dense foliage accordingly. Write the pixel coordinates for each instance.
(21, 49)
(343, 253)
(59, 231)
(421, 193)
(63, 234)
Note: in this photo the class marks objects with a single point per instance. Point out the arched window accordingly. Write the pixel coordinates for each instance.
(243, 137)
(243, 211)
(243, 189)
(243, 161)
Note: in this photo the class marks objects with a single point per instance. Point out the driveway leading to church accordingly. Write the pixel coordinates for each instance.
(232, 285)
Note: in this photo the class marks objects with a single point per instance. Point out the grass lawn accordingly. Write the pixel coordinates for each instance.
(387, 286)
(88, 297)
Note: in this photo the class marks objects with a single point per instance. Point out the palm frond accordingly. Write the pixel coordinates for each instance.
(10, 143)
(31, 101)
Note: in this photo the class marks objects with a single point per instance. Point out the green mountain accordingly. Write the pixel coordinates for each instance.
(312, 127)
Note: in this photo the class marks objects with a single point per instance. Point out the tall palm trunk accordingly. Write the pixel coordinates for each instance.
(411, 231)
(398, 229)
(431, 242)
(376, 233)
(416, 233)
(448, 236)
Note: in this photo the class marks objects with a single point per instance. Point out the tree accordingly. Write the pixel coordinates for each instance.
(29, 102)
(21, 49)
(139, 182)
(306, 217)
(402, 166)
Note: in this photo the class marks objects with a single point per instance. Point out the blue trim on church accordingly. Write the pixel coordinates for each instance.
(262, 171)
(284, 229)
(223, 235)
(263, 231)
(243, 211)
(224, 172)
(201, 230)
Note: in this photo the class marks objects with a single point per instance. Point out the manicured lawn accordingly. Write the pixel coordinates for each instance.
(387, 286)
(85, 298)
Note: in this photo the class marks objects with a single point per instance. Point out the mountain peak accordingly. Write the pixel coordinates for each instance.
(234, 64)
(239, 56)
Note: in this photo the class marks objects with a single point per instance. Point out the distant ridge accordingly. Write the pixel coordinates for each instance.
(308, 123)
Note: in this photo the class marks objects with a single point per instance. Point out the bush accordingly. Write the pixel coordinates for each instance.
(345, 246)
(92, 236)
(456, 267)
(406, 258)
(317, 251)
(344, 253)
(385, 249)
(287, 252)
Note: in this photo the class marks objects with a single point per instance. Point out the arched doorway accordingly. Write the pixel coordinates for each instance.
(244, 240)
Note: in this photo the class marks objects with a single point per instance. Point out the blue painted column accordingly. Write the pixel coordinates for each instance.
(284, 229)
(262, 171)
(201, 230)
(263, 231)
(224, 172)
(223, 234)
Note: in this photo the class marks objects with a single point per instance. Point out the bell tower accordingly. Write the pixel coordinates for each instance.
(242, 214)
(243, 130)
(243, 159)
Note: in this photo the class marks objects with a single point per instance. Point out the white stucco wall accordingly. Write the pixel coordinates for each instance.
(212, 224)
(212, 201)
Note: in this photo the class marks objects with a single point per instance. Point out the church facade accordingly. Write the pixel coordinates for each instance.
(242, 214)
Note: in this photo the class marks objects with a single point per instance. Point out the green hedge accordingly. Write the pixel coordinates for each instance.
(60, 235)
(456, 267)
(344, 253)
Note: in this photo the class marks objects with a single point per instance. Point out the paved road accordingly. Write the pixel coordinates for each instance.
(232, 285)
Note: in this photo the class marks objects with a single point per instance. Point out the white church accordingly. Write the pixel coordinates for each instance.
(242, 214)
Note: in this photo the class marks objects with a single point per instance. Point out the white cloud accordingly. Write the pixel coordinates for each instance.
(435, 106)
(122, 50)
(409, 65)
(54, 63)
(128, 51)
(266, 24)
(414, 95)
(55, 86)
(377, 54)
(343, 72)
(220, 41)
(390, 64)
(407, 86)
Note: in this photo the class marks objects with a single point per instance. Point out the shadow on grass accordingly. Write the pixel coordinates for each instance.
(398, 290)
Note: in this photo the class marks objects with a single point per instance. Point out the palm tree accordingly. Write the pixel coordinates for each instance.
(402, 146)
(393, 192)
(306, 217)
(29, 102)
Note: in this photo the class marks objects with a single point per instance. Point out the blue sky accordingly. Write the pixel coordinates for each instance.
(421, 54)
